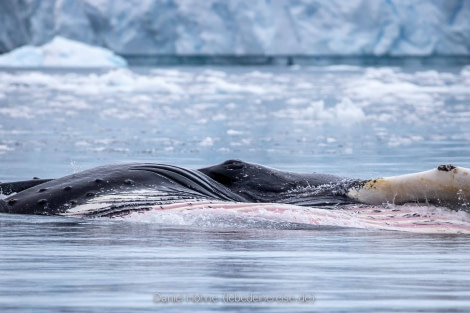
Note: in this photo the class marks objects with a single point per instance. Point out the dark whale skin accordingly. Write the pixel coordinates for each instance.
(233, 180)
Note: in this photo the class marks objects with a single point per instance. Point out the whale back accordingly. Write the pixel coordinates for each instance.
(257, 183)
(116, 187)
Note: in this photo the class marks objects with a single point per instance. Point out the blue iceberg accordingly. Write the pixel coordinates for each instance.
(62, 52)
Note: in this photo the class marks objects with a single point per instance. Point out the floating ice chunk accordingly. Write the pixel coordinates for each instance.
(233, 132)
(348, 112)
(5, 148)
(345, 112)
(397, 141)
(207, 142)
(62, 52)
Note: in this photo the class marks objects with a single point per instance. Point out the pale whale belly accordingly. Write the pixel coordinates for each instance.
(446, 186)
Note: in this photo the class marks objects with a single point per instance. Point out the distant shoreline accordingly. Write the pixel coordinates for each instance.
(287, 60)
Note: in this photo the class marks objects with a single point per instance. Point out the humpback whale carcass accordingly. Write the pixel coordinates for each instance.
(119, 190)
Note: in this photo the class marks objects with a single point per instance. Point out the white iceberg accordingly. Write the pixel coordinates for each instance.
(62, 52)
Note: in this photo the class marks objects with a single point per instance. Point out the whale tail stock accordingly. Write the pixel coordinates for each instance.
(446, 185)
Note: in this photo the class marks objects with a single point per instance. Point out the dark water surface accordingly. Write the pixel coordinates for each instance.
(352, 121)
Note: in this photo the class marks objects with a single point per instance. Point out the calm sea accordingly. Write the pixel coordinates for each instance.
(352, 121)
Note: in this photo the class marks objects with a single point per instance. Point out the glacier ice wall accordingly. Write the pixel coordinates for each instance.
(244, 27)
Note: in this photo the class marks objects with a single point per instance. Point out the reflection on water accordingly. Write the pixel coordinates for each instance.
(54, 264)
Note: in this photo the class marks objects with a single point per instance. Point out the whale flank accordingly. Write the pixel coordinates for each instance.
(429, 201)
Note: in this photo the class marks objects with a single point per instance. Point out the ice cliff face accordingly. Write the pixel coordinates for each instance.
(273, 27)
